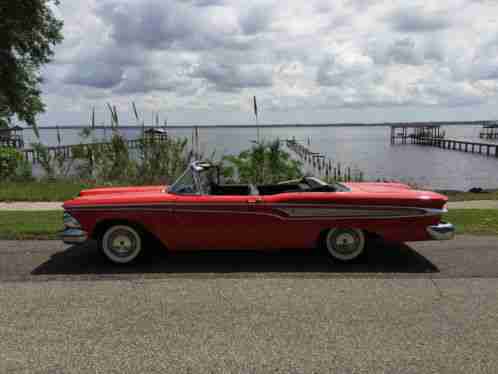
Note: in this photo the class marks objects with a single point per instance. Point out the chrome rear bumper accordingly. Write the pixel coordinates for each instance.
(73, 236)
(441, 231)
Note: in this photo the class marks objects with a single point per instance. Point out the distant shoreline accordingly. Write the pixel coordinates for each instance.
(285, 125)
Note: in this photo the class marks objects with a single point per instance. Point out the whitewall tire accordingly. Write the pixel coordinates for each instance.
(345, 244)
(121, 244)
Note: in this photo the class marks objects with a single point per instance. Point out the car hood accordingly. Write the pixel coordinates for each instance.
(122, 190)
(378, 187)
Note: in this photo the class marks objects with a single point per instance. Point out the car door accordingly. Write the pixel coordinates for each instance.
(213, 222)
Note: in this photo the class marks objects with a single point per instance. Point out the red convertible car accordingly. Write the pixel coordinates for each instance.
(197, 212)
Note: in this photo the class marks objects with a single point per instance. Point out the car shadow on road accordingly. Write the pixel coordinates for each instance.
(381, 258)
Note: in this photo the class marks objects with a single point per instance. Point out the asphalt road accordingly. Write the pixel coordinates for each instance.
(425, 307)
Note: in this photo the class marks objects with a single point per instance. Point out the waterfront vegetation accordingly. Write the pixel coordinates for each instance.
(45, 224)
(13, 166)
(157, 160)
(265, 162)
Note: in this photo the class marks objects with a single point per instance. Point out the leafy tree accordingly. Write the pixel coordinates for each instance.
(28, 33)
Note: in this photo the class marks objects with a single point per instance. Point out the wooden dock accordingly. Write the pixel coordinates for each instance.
(402, 133)
(433, 135)
(320, 164)
(67, 150)
(489, 131)
(486, 149)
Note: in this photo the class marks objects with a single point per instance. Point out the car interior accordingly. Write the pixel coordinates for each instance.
(205, 179)
(306, 184)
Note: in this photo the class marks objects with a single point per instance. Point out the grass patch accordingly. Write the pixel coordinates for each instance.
(41, 191)
(45, 224)
(19, 225)
(474, 221)
(468, 196)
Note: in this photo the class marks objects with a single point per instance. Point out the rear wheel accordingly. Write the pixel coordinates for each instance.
(345, 244)
(121, 244)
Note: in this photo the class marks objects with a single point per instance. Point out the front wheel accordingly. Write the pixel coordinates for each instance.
(121, 244)
(345, 244)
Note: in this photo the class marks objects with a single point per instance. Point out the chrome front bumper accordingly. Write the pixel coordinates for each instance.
(73, 236)
(441, 231)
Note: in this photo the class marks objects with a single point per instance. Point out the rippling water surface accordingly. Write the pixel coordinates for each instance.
(367, 148)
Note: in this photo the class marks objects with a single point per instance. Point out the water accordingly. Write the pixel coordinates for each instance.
(365, 148)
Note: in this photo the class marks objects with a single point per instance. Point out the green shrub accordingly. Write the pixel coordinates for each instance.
(13, 166)
(263, 163)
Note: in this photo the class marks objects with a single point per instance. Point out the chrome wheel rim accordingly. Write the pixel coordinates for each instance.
(345, 244)
(121, 244)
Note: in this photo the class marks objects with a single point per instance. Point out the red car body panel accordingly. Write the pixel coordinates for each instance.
(286, 220)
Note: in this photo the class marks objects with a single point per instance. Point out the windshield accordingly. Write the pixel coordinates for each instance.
(186, 184)
(193, 182)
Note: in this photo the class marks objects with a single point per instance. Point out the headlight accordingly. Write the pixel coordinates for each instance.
(70, 221)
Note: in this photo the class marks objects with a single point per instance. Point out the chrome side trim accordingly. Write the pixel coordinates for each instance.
(441, 231)
(351, 212)
(277, 206)
(73, 236)
(281, 211)
(286, 217)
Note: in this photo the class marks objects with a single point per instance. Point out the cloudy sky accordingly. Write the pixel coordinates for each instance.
(201, 61)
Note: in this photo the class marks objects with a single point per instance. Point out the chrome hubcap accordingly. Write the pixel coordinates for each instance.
(346, 243)
(122, 243)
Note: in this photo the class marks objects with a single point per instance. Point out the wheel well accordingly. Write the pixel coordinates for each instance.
(102, 226)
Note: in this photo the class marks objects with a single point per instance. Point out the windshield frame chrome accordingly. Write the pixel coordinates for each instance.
(195, 168)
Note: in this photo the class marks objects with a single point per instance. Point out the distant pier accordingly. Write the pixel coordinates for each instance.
(489, 131)
(433, 135)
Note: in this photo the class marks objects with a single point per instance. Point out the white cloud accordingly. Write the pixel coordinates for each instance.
(202, 56)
